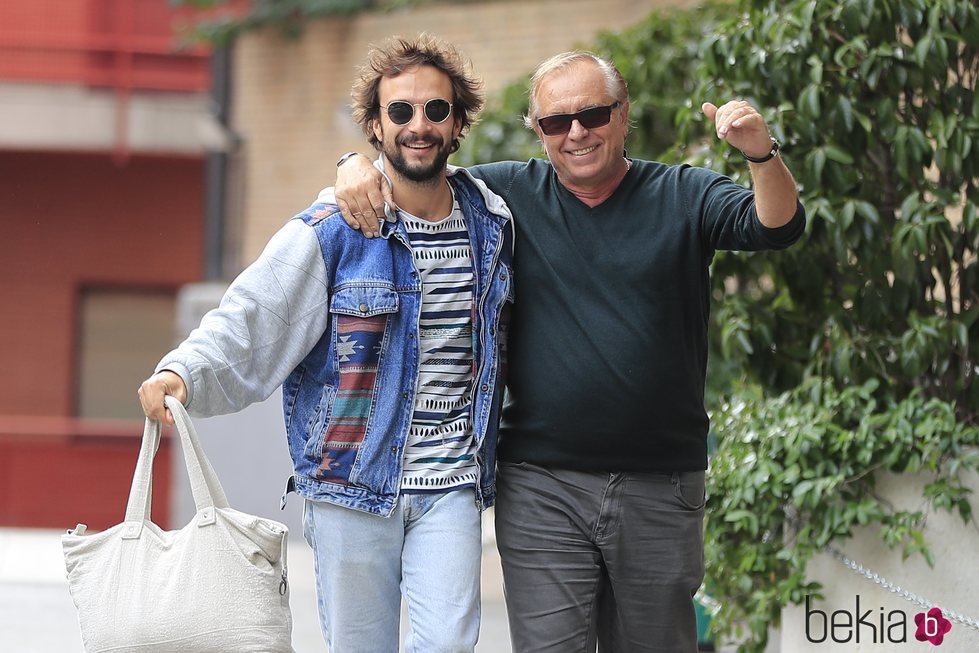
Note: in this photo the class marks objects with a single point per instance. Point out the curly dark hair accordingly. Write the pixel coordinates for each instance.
(398, 54)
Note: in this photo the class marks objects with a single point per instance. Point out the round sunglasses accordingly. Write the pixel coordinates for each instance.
(400, 112)
(560, 123)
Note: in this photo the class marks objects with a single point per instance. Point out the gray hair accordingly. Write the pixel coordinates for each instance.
(614, 81)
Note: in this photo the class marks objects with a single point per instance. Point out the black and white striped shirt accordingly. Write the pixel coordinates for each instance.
(440, 454)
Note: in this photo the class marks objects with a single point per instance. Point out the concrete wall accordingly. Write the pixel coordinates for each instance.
(291, 98)
(951, 584)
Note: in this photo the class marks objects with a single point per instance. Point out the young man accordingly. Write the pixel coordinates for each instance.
(603, 444)
(389, 353)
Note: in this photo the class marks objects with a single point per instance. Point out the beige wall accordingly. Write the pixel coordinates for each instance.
(291, 97)
(951, 583)
(64, 117)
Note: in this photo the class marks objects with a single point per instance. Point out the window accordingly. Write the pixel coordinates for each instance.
(124, 333)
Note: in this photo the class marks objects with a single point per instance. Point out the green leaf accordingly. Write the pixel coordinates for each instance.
(846, 111)
(837, 154)
(809, 100)
(867, 211)
(744, 519)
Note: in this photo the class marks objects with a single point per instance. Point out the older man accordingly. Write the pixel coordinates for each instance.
(603, 443)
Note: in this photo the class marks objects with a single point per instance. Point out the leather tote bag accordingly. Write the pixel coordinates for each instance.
(218, 584)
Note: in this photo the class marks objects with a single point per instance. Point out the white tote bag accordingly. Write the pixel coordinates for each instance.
(218, 584)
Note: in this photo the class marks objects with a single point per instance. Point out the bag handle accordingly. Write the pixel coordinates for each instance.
(204, 483)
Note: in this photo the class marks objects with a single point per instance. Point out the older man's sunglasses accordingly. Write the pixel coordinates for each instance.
(560, 123)
(400, 112)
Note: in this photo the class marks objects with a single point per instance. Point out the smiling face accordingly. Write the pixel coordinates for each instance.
(583, 158)
(419, 149)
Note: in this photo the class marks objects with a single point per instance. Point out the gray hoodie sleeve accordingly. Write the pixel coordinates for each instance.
(269, 319)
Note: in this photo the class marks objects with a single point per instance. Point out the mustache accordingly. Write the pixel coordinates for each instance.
(436, 140)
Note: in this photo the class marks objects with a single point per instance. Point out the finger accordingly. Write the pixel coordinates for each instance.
(376, 199)
(347, 214)
(371, 224)
(750, 134)
(142, 402)
(722, 120)
(377, 193)
(728, 113)
(731, 120)
(364, 214)
(746, 115)
(369, 219)
(710, 110)
(749, 118)
(388, 191)
(168, 418)
(151, 400)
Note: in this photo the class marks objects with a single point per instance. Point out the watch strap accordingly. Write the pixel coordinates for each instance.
(772, 153)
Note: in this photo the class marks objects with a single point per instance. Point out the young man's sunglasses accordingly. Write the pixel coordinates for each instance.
(560, 123)
(400, 112)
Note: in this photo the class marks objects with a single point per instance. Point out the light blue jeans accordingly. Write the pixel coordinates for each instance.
(428, 550)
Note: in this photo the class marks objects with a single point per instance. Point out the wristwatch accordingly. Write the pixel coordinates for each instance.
(772, 153)
(345, 156)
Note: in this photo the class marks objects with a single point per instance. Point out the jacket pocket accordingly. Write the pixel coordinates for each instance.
(359, 316)
(364, 301)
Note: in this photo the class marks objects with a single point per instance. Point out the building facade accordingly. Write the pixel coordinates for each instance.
(102, 195)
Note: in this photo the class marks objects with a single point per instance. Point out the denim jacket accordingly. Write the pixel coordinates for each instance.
(333, 318)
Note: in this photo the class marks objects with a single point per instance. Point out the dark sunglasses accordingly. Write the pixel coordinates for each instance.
(400, 112)
(560, 123)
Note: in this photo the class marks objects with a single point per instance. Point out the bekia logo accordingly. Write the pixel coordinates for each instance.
(932, 626)
(873, 625)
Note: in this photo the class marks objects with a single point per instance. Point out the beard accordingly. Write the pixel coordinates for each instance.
(419, 173)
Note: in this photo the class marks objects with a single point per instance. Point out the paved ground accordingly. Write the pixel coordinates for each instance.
(37, 615)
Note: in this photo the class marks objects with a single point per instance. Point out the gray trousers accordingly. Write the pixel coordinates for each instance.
(612, 559)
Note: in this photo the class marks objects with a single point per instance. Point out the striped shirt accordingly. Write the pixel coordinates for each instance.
(440, 454)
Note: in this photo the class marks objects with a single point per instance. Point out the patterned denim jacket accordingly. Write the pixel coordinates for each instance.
(333, 317)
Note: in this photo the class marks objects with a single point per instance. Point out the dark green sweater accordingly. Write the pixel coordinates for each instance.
(608, 342)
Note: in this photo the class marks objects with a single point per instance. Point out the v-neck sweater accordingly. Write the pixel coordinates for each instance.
(608, 339)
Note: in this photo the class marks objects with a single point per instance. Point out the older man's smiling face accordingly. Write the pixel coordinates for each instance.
(583, 158)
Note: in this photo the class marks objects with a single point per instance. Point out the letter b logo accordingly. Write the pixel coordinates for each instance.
(932, 626)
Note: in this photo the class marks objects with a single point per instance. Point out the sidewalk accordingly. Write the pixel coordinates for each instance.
(38, 616)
